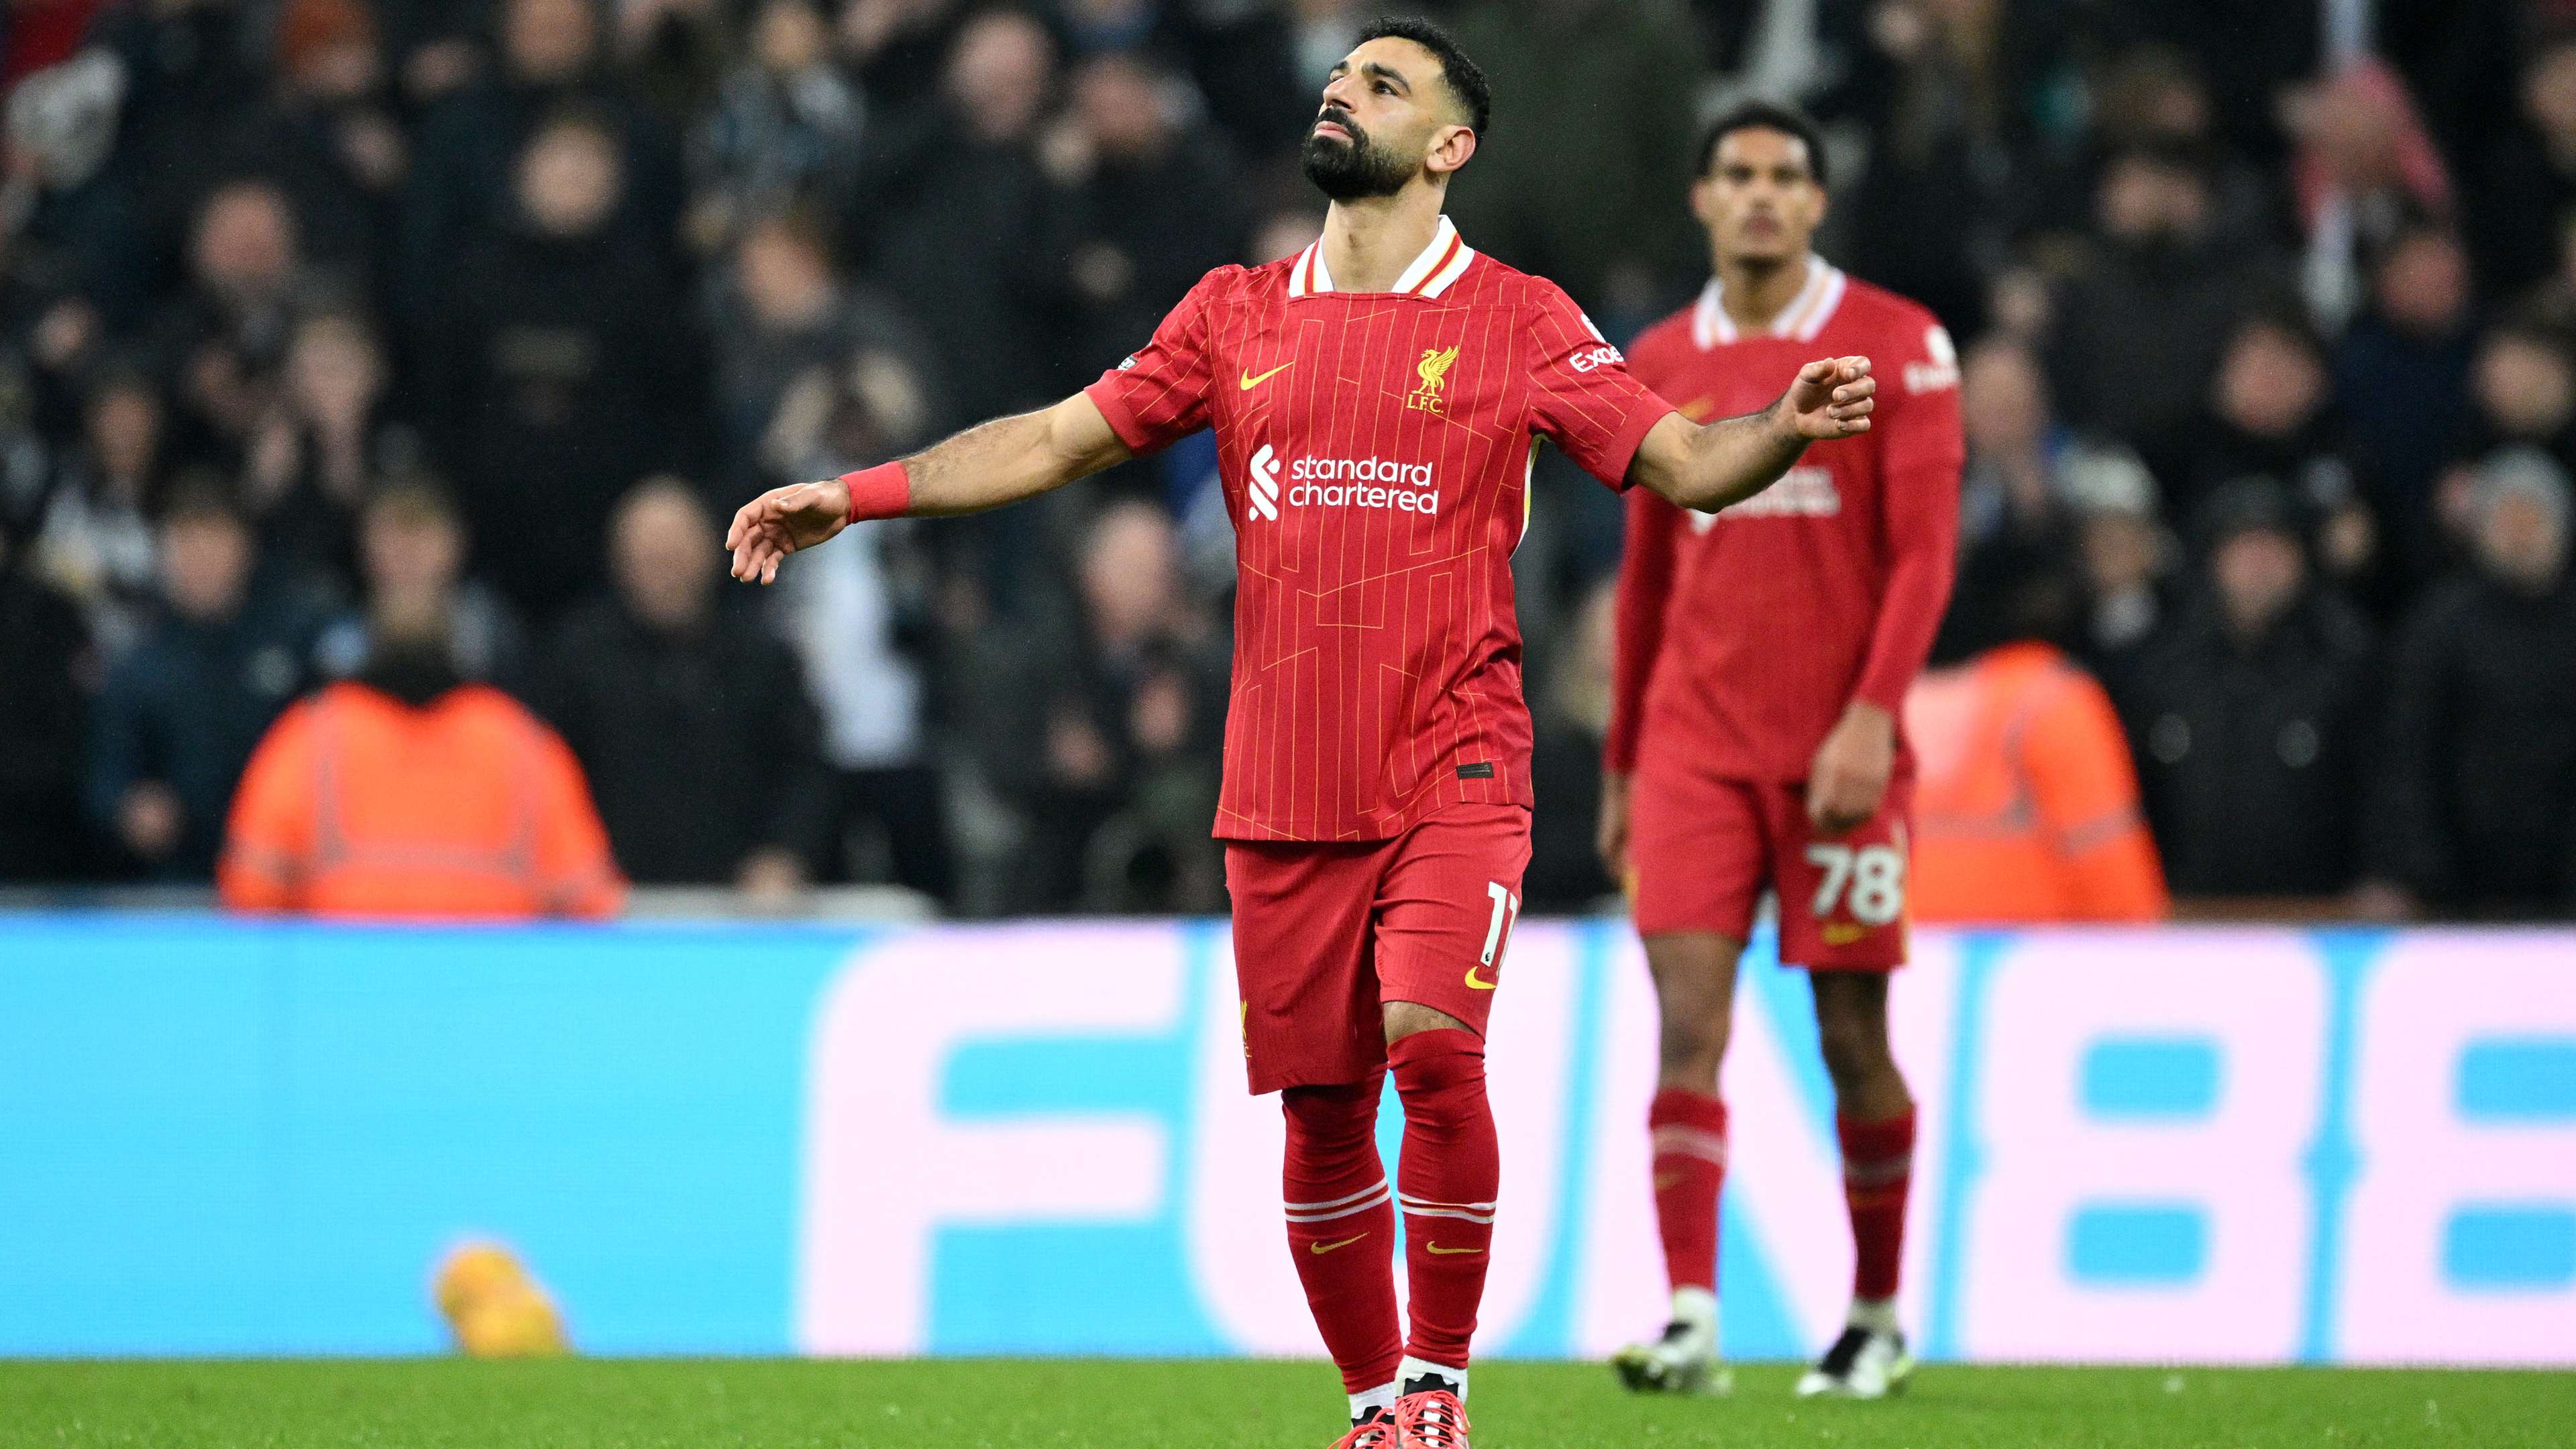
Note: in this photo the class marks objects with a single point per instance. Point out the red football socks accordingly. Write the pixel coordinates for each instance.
(1689, 1131)
(1878, 1168)
(1448, 1175)
(1341, 1227)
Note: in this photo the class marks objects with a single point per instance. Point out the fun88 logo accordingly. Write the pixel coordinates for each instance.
(1262, 493)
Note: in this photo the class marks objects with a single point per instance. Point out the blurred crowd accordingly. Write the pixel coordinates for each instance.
(419, 344)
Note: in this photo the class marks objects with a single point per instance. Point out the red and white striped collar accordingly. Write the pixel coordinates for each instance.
(1438, 268)
(1804, 317)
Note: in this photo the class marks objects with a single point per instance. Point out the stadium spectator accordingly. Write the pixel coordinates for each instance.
(326, 436)
(92, 533)
(224, 340)
(74, 228)
(2025, 804)
(2477, 802)
(183, 710)
(570, 370)
(2271, 412)
(692, 723)
(469, 148)
(411, 560)
(326, 135)
(2010, 501)
(2127, 556)
(791, 339)
(2402, 371)
(785, 128)
(861, 622)
(1147, 208)
(409, 792)
(2151, 94)
(433, 48)
(1586, 201)
(1076, 725)
(1931, 85)
(47, 672)
(2363, 170)
(953, 212)
(899, 46)
(857, 624)
(2250, 713)
(2522, 387)
(2140, 328)
(2525, 175)
(191, 72)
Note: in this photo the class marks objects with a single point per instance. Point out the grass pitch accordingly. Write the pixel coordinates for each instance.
(739, 1404)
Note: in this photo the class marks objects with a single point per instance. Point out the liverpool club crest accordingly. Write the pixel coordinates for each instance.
(1433, 369)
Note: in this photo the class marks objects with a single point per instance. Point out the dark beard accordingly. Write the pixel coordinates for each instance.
(1351, 170)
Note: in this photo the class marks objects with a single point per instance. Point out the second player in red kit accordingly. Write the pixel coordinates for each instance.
(1376, 401)
(1764, 654)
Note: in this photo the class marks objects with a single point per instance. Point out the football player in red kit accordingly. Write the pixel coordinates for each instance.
(1764, 651)
(1376, 401)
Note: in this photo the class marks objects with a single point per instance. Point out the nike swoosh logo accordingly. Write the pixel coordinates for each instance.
(1320, 1249)
(1667, 1179)
(1475, 985)
(1250, 382)
(1445, 1252)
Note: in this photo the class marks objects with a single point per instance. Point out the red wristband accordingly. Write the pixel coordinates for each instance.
(884, 491)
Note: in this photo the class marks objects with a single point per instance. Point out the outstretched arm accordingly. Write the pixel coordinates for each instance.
(1730, 460)
(999, 462)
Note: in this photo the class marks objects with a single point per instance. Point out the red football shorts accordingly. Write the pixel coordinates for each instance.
(1325, 933)
(1704, 847)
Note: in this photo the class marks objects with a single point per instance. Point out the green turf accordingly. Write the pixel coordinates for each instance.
(1023, 1405)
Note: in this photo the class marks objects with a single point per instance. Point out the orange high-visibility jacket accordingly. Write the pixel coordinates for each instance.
(356, 804)
(2025, 800)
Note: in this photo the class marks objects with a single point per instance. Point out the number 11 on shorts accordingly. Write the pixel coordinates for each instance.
(1507, 908)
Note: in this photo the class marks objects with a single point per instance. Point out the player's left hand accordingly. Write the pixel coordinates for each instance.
(1832, 398)
(1848, 780)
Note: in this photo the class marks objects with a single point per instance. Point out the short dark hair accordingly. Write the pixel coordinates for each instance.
(1465, 78)
(1763, 116)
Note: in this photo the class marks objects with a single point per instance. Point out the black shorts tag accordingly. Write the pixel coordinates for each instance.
(1481, 770)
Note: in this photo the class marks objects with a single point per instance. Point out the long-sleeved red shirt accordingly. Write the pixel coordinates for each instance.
(1743, 635)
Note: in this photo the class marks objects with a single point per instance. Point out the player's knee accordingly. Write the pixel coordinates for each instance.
(1855, 1051)
(1439, 1074)
(1333, 1120)
(1694, 1042)
(1411, 1018)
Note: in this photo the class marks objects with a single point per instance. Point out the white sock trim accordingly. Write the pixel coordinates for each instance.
(1696, 1307)
(1413, 1368)
(1878, 1315)
(1381, 1397)
(1298, 1212)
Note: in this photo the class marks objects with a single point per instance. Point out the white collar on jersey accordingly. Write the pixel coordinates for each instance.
(1804, 317)
(1441, 264)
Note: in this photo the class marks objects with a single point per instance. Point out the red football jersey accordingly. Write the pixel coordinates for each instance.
(1743, 634)
(1375, 450)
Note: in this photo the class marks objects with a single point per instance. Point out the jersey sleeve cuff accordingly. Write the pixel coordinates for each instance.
(1107, 396)
(1624, 445)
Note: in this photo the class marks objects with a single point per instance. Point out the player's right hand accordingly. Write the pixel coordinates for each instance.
(779, 522)
(1611, 837)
